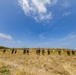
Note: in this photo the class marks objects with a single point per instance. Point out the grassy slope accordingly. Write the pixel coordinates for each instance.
(32, 64)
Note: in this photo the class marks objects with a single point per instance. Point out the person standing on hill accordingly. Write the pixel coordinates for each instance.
(68, 52)
(73, 52)
(4, 50)
(48, 52)
(28, 51)
(38, 51)
(24, 51)
(59, 52)
(43, 51)
(12, 50)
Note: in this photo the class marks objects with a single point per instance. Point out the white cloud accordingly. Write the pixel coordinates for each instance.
(43, 17)
(68, 41)
(66, 3)
(45, 10)
(5, 36)
(67, 14)
(69, 37)
(65, 42)
(38, 9)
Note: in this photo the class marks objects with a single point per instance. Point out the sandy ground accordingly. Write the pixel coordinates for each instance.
(33, 64)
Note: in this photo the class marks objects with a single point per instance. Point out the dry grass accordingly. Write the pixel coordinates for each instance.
(32, 64)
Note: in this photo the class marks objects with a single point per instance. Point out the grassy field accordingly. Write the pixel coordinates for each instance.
(32, 64)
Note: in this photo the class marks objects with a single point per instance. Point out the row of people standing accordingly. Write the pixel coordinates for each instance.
(68, 52)
(13, 51)
(38, 51)
(26, 51)
(43, 52)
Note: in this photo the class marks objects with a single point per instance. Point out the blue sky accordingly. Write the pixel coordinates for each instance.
(38, 23)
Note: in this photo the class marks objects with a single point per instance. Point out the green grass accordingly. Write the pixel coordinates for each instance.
(4, 70)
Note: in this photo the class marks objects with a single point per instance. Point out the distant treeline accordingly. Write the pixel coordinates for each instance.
(2, 47)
